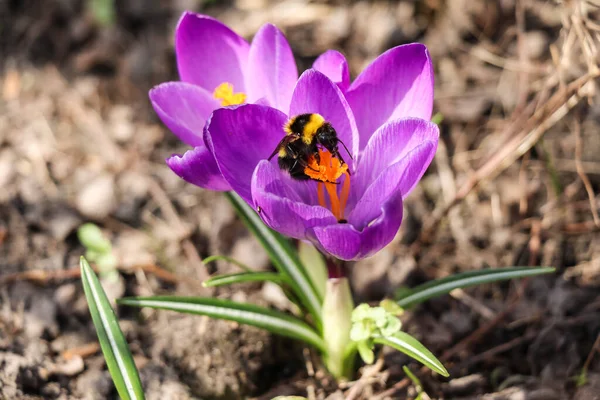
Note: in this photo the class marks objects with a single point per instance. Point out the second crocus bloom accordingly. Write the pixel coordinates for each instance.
(219, 68)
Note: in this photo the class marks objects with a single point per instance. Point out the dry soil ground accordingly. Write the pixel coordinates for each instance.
(514, 183)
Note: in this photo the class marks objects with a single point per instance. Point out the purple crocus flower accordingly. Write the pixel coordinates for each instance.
(363, 211)
(219, 68)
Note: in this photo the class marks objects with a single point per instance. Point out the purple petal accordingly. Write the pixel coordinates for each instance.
(315, 93)
(184, 109)
(209, 53)
(398, 84)
(272, 71)
(390, 144)
(400, 178)
(239, 137)
(282, 206)
(345, 242)
(333, 64)
(198, 167)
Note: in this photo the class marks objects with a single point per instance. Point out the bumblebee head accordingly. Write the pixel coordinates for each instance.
(327, 137)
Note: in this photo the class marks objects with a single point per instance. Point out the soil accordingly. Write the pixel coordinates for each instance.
(514, 182)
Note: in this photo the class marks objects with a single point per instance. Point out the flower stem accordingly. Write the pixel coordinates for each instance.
(335, 268)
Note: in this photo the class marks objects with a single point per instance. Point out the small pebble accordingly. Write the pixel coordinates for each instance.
(97, 198)
(70, 367)
(62, 223)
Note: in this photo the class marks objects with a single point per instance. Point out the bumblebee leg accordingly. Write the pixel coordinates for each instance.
(337, 154)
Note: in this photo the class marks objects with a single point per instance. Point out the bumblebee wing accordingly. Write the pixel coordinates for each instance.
(287, 139)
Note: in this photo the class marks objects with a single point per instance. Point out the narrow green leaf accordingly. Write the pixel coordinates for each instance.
(412, 377)
(244, 277)
(114, 347)
(249, 314)
(410, 346)
(232, 260)
(416, 382)
(439, 287)
(283, 256)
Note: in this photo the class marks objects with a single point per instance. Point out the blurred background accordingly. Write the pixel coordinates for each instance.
(515, 182)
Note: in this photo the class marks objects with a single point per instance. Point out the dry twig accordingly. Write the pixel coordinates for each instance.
(581, 172)
(43, 277)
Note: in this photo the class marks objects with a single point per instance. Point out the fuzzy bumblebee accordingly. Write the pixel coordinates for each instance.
(304, 134)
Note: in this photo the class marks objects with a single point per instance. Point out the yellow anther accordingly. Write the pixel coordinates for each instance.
(224, 92)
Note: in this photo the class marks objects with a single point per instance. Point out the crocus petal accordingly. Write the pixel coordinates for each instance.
(401, 178)
(281, 205)
(239, 137)
(198, 167)
(272, 71)
(346, 242)
(209, 53)
(390, 144)
(333, 64)
(316, 93)
(184, 109)
(398, 84)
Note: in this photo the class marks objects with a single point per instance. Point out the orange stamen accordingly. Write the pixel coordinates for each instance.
(321, 194)
(327, 171)
(224, 92)
(345, 192)
(335, 201)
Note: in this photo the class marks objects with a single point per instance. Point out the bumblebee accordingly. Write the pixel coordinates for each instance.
(304, 134)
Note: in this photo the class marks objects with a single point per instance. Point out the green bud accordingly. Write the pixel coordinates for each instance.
(92, 238)
(106, 263)
(314, 264)
(337, 323)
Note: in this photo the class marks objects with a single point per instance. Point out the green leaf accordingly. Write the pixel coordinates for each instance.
(582, 378)
(228, 259)
(249, 314)
(244, 277)
(114, 347)
(391, 307)
(443, 286)
(365, 351)
(410, 346)
(283, 256)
